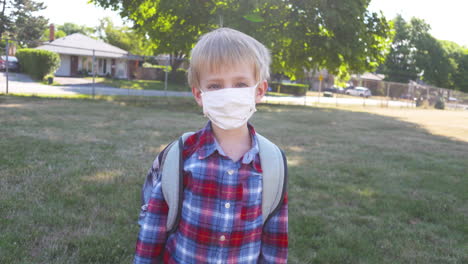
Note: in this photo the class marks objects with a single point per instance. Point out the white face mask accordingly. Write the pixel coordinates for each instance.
(229, 108)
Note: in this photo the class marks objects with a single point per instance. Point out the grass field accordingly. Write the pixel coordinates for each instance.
(364, 187)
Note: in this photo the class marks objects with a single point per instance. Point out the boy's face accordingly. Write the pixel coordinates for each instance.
(235, 76)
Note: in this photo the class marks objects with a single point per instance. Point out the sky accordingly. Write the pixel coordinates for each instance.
(448, 18)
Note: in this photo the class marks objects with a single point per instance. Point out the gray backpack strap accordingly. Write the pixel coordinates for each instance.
(172, 180)
(274, 166)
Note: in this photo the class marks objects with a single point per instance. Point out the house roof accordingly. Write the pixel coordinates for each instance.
(372, 76)
(79, 44)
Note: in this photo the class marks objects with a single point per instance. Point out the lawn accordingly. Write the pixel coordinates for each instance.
(363, 187)
(141, 84)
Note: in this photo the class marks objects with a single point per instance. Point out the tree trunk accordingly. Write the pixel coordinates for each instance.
(176, 60)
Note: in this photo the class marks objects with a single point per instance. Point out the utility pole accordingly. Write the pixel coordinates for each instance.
(7, 53)
(94, 73)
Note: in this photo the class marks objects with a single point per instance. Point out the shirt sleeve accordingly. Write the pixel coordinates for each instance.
(152, 220)
(275, 236)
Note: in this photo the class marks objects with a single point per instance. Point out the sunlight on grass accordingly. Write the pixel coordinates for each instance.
(11, 105)
(449, 123)
(366, 192)
(295, 161)
(295, 148)
(104, 176)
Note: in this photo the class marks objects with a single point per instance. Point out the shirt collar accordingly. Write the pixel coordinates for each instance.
(210, 145)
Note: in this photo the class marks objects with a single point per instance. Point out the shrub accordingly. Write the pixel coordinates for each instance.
(38, 63)
(440, 103)
(289, 88)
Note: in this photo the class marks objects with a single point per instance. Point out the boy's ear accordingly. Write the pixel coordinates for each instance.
(197, 95)
(261, 91)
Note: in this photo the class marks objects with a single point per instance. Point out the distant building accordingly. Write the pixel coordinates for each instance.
(76, 56)
(370, 80)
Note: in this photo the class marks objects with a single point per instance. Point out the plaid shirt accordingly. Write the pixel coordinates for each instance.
(221, 219)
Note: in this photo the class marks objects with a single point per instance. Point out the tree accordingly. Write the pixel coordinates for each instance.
(46, 35)
(124, 38)
(71, 28)
(414, 54)
(18, 19)
(458, 57)
(460, 77)
(400, 64)
(431, 59)
(333, 34)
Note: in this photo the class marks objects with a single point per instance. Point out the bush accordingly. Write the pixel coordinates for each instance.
(38, 63)
(440, 103)
(289, 88)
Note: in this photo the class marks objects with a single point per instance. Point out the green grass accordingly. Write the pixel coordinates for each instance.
(141, 84)
(363, 188)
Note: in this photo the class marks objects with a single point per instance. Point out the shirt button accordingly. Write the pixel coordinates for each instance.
(222, 238)
(230, 172)
(227, 205)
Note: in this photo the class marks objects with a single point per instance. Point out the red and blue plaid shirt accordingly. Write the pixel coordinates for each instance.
(221, 219)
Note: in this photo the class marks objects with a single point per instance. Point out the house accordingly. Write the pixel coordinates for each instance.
(76, 57)
(370, 80)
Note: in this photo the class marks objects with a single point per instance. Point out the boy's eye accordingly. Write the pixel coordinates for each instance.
(214, 86)
(241, 84)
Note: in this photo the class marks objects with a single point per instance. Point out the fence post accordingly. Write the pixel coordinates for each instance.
(6, 69)
(92, 68)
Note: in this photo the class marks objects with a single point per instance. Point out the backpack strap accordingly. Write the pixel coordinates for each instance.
(274, 166)
(172, 174)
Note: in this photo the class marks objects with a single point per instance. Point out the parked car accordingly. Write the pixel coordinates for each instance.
(359, 91)
(12, 63)
(334, 89)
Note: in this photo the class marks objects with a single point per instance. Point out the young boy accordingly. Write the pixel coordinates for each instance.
(221, 219)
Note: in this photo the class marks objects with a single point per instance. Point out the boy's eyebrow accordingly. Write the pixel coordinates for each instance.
(237, 78)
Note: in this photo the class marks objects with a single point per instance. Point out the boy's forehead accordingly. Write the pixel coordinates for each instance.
(237, 71)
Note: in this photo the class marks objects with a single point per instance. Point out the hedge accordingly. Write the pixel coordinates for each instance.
(289, 88)
(38, 63)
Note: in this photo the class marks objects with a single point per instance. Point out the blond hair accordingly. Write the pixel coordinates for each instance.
(226, 46)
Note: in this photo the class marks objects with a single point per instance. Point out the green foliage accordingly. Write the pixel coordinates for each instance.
(302, 35)
(71, 28)
(458, 57)
(124, 38)
(18, 20)
(58, 34)
(400, 64)
(289, 88)
(460, 78)
(415, 54)
(38, 63)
